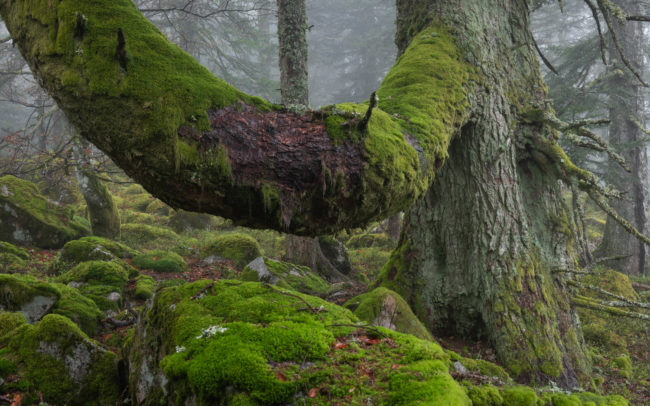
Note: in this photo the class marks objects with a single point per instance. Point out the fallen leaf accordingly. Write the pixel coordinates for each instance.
(281, 376)
(17, 399)
(395, 366)
(339, 345)
(313, 392)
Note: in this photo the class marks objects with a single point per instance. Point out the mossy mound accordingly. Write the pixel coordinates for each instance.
(479, 366)
(97, 280)
(34, 299)
(386, 308)
(27, 295)
(238, 247)
(134, 189)
(28, 218)
(56, 359)
(138, 203)
(9, 263)
(611, 281)
(368, 240)
(144, 287)
(142, 233)
(94, 248)
(181, 220)
(160, 261)
(232, 342)
(284, 274)
(7, 248)
(130, 216)
(158, 208)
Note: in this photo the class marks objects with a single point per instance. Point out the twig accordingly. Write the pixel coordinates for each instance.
(202, 291)
(363, 124)
(617, 217)
(623, 301)
(638, 18)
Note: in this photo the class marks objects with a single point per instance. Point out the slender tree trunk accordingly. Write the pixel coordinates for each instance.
(292, 26)
(476, 253)
(103, 212)
(626, 113)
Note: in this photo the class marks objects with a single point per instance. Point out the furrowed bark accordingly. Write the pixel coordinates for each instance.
(199, 144)
(476, 253)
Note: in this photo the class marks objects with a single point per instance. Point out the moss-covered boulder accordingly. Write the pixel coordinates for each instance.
(56, 359)
(235, 343)
(142, 233)
(144, 287)
(158, 208)
(94, 249)
(28, 218)
(386, 308)
(238, 247)
(34, 299)
(10, 263)
(7, 248)
(27, 295)
(368, 240)
(284, 274)
(181, 220)
(99, 281)
(161, 261)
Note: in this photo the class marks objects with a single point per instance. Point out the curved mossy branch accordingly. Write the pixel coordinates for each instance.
(198, 143)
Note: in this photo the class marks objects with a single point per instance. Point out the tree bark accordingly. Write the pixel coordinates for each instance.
(476, 253)
(292, 27)
(626, 113)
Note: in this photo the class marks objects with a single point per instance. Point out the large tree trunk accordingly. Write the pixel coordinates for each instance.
(626, 113)
(476, 255)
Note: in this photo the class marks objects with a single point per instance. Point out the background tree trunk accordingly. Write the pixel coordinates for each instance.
(292, 26)
(626, 107)
(476, 253)
(102, 210)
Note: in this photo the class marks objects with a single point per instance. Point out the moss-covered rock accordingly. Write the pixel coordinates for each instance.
(284, 274)
(58, 360)
(161, 261)
(238, 247)
(98, 280)
(519, 396)
(78, 308)
(368, 240)
(138, 202)
(484, 395)
(134, 189)
(158, 208)
(7, 248)
(144, 287)
(27, 295)
(28, 218)
(9, 263)
(182, 220)
(140, 233)
(248, 343)
(386, 308)
(94, 248)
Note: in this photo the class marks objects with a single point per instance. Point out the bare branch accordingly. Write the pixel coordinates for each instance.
(544, 59)
(594, 12)
(638, 18)
(605, 9)
(600, 201)
(587, 303)
(622, 300)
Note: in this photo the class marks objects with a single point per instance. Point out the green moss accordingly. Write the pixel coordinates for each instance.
(139, 233)
(94, 248)
(388, 309)
(134, 189)
(623, 364)
(484, 395)
(157, 207)
(182, 221)
(519, 396)
(97, 273)
(611, 281)
(9, 263)
(426, 382)
(9, 321)
(161, 261)
(29, 218)
(7, 248)
(482, 367)
(144, 287)
(78, 308)
(55, 347)
(238, 247)
(138, 203)
(17, 290)
(6, 368)
(287, 275)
